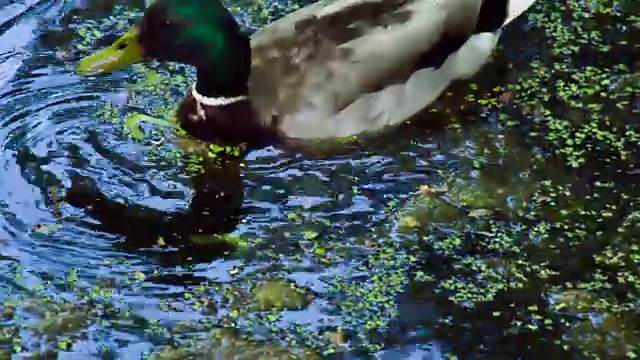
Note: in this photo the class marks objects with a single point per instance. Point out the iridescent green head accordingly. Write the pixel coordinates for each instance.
(202, 33)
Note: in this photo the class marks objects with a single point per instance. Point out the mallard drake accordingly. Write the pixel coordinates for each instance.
(334, 69)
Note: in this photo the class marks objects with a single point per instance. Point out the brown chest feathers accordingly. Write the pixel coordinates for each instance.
(231, 124)
(238, 124)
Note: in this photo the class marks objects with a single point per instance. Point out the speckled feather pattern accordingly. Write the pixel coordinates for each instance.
(342, 67)
(336, 68)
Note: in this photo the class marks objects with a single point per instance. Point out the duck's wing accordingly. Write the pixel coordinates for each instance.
(340, 67)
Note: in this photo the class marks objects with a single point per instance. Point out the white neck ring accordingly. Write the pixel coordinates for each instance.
(215, 101)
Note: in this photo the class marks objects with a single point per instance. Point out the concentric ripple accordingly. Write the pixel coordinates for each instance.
(48, 135)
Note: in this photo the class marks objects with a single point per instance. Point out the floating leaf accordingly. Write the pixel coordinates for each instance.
(46, 229)
(432, 190)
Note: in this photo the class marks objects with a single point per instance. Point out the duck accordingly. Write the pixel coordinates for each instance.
(333, 69)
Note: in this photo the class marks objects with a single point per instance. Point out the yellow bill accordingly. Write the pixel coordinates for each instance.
(121, 54)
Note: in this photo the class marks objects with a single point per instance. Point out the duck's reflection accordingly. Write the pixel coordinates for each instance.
(215, 208)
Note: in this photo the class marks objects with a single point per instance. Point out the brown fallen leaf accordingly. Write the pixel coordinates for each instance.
(505, 97)
(408, 222)
(9, 312)
(432, 190)
(337, 337)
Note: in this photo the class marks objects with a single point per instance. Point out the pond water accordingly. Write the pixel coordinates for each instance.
(501, 225)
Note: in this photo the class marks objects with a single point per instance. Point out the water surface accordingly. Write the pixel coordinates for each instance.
(84, 206)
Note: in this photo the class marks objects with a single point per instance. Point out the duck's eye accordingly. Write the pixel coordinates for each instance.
(122, 45)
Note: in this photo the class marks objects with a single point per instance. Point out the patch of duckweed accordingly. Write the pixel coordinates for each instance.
(38, 325)
(279, 294)
(580, 95)
(56, 324)
(557, 268)
(226, 344)
(232, 240)
(89, 32)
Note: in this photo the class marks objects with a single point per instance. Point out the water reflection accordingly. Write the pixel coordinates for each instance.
(216, 207)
